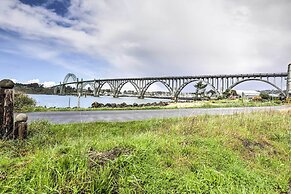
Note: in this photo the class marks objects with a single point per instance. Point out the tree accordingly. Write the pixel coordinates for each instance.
(233, 93)
(200, 90)
(226, 93)
(22, 100)
(229, 93)
(211, 93)
(265, 96)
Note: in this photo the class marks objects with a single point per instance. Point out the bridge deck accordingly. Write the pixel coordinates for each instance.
(262, 75)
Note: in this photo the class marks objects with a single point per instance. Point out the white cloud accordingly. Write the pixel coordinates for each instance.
(45, 84)
(48, 84)
(14, 80)
(33, 81)
(159, 37)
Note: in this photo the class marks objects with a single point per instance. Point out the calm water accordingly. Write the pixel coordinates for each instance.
(63, 101)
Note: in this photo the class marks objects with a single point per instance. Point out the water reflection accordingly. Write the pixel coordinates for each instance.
(85, 102)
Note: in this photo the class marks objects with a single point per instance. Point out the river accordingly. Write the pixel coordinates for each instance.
(85, 102)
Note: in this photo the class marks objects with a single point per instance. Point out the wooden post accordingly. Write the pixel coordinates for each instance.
(2, 96)
(6, 108)
(20, 130)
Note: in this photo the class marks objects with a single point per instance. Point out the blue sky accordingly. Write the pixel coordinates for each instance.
(43, 40)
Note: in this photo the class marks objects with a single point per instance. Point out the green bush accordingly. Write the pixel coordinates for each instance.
(265, 96)
(22, 100)
(288, 100)
(257, 98)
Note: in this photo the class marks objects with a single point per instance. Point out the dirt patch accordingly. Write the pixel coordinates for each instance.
(289, 189)
(251, 145)
(3, 176)
(101, 158)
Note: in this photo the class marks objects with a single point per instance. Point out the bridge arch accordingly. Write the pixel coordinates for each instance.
(143, 91)
(85, 85)
(91, 85)
(101, 86)
(179, 90)
(68, 76)
(254, 79)
(120, 86)
(66, 79)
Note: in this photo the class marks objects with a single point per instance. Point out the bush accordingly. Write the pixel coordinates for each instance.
(22, 100)
(257, 98)
(288, 100)
(265, 96)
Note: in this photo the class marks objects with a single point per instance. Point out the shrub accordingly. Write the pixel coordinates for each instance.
(288, 100)
(22, 100)
(257, 98)
(265, 96)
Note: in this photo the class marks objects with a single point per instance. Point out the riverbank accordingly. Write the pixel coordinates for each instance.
(165, 105)
(241, 153)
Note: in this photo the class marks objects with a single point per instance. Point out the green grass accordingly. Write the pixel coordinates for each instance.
(241, 153)
(197, 104)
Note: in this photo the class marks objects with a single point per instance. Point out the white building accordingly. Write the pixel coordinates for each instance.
(247, 93)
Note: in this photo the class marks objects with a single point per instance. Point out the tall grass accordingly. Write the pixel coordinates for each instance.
(241, 153)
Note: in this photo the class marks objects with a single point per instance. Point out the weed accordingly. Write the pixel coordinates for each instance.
(241, 153)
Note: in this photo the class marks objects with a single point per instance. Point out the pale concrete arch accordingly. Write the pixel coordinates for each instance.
(176, 95)
(68, 76)
(120, 86)
(66, 79)
(102, 84)
(254, 79)
(143, 91)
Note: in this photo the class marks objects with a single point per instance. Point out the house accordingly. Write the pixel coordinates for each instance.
(247, 93)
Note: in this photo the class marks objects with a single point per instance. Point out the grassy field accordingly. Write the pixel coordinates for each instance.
(197, 104)
(241, 153)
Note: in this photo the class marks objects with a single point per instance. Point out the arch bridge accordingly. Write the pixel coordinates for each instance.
(175, 84)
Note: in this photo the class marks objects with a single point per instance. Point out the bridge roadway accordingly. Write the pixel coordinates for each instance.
(131, 115)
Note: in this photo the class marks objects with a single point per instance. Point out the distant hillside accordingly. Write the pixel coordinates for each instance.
(33, 88)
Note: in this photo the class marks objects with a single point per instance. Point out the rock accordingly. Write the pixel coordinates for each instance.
(94, 104)
(6, 84)
(107, 105)
(123, 104)
(134, 104)
(97, 105)
(21, 117)
(163, 103)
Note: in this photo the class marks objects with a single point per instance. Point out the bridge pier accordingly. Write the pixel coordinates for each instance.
(175, 98)
(288, 89)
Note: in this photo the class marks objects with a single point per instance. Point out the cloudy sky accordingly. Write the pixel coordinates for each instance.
(43, 40)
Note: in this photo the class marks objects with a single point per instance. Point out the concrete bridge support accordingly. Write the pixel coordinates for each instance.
(218, 84)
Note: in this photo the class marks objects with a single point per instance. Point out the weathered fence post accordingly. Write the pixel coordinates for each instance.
(6, 106)
(20, 130)
(2, 96)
